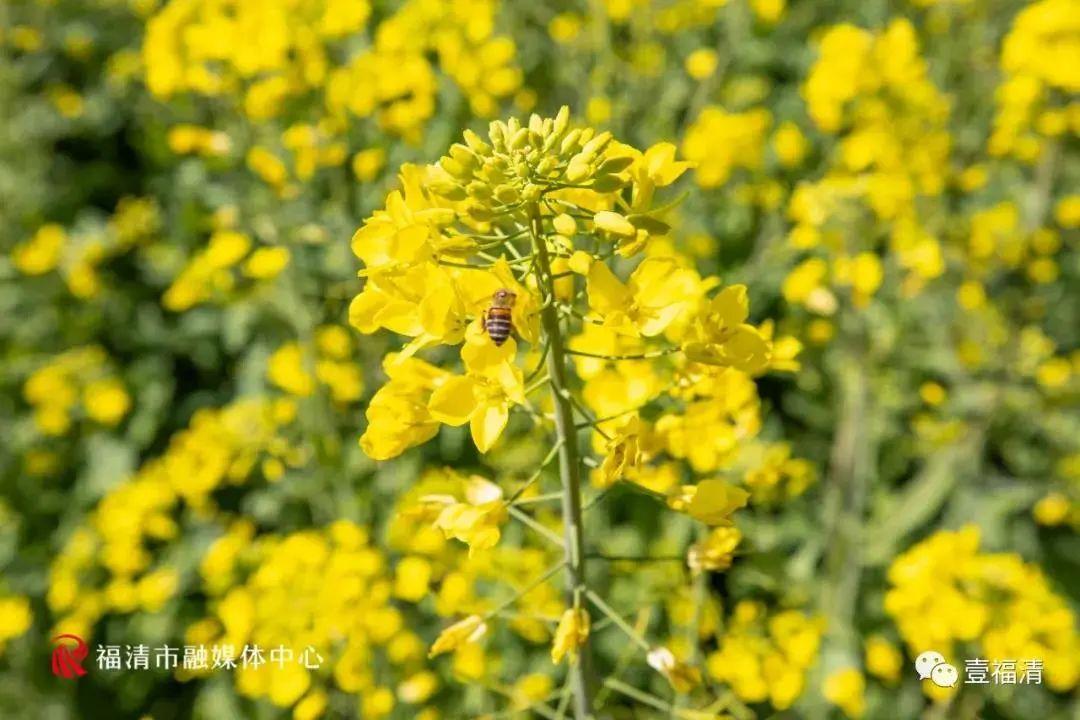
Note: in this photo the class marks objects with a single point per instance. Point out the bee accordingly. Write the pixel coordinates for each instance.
(496, 321)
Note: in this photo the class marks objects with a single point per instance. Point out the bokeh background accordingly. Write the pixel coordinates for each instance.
(181, 393)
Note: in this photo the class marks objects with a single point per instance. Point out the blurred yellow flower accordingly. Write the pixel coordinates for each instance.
(701, 63)
(266, 263)
(883, 659)
(106, 401)
(846, 689)
(15, 617)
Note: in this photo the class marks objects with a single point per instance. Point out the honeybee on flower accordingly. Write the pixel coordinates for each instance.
(497, 321)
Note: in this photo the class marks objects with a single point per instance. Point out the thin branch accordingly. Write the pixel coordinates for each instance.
(618, 358)
(532, 523)
(620, 623)
(526, 590)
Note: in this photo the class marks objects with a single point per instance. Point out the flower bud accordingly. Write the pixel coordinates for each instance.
(463, 155)
(562, 120)
(519, 139)
(597, 144)
(614, 223)
(455, 168)
(479, 190)
(545, 166)
(448, 190)
(476, 143)
(497, 134)
(507, 194)
(570, 142)
(564, 225)
(578, 169)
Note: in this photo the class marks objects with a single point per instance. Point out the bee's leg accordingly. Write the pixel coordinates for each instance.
(483, 321)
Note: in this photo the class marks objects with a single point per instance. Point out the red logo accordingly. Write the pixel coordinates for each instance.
(67, 660)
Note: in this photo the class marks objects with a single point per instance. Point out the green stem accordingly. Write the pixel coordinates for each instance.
(569, 464)
(536, 526)
(850, 467)
(642, 697)
(633, 356)
(524, 591)
(620, 623)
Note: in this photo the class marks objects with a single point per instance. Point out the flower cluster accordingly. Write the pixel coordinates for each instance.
(298, 370)
(1038, 59)
(431, 273)
(194, 46)
(994, 603)
(76, 384)
(76, 254)
(329, 589)
(764, 657)
(108, 563)
(213, 271)
(874, 91)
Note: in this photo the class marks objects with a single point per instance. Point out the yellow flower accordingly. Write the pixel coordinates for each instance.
(412, 578)
(1067, 211)
(311, 707)
(716, 551)
(995, 601)
(864, 273)
(721, 143)
(711, 501)
(15, 617)
(42, 252)
(932, 393)
(155, 588)
(377, 703)
(398, 415)
(883, 660)
(768, 11)
(267, 166)
(564, 27)
(571, 633)
(723, 337)
(286, 370)
(701, 63)
(845, 689)
(475, 522)
(1054, 373)
(624, 453)
(790, 145)
(266, 263)
(765, 659)
(106, 401)
(366, 164)
(418, 688)
(657, 292)
(484, 395)
(1052, 509)
(463, 631)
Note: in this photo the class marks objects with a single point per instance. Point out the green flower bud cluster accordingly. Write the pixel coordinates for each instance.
(517, 164)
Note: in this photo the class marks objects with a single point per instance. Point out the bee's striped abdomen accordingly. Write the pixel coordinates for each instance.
(498, 324)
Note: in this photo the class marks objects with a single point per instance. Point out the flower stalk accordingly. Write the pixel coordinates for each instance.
(569, 462)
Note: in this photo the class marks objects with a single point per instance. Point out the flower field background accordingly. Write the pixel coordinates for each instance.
(791, 392)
